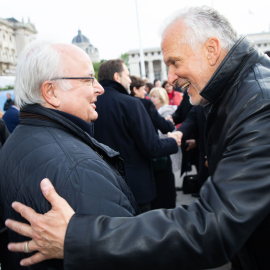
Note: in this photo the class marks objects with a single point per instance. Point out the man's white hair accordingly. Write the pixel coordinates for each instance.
(38, 62)
(202, 23)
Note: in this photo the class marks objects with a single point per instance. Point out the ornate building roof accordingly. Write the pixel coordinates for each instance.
(80, 38)
(84, 43)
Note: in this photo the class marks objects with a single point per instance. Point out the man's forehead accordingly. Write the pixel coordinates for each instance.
(174, 32)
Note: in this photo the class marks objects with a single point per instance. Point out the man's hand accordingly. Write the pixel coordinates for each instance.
(169, 117)
(177, 135)
(47, 231)
(206, 162)
(191, 144)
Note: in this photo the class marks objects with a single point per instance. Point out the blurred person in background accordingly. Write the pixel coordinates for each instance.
(146, 80)
(194, 124)
(137, 87)
(189, 158)
(11, 117)
(175, 97)
(8, 103)
(164, 168)
(157, 83)
(159, 122)
(1, 114)
(148, 87)
(126, 127)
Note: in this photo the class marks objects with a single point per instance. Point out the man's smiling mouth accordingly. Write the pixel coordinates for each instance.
(185, 85)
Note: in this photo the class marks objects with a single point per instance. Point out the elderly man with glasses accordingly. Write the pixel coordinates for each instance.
(56, 90)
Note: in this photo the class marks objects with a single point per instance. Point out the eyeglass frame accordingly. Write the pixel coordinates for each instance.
(74, 78)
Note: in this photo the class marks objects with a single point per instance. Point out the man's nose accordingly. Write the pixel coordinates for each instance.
(98, 87)
(172, 77)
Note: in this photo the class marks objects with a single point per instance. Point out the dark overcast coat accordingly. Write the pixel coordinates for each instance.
(125, 126)
(46, 144)
(195, 124)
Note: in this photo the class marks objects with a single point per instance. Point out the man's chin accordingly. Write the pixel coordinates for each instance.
(94, 117)
(194, 101)
(198, 101)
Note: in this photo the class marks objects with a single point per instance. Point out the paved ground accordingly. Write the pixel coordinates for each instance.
(188, 199)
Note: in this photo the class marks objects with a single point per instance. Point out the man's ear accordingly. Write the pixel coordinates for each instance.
(116, 77)
(49, 92)
(212, 50)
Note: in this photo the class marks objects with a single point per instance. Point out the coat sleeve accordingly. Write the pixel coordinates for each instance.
(144, 135)
(190, 125)
(206, 234)
(158, 121)
(182, 111)
(93, 188)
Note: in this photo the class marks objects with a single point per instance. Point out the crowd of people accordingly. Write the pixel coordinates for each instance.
(108, 150)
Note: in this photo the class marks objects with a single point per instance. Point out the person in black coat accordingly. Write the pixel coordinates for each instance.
(162, 167)
(9, 102)
(11, 117)
(179, 116)
(195, 124)
(55, 140)
(125, 126)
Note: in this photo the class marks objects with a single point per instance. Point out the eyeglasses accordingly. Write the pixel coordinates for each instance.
(92, 79)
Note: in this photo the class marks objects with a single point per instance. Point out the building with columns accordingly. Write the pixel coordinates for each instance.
(156, 69)
(84, 43)
(262, 40)
(154, 65)
(14, 35)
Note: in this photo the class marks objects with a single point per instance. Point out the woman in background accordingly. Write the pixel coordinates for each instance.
(148, 87)
(164, 176)
(175, 97)
(137, 90)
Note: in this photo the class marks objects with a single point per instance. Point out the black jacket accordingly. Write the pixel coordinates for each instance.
(46, 144)
(125, 126)
(183, 109)
(232, 216)
(195, 124)
(4, 133)
(158, 121)
(179, 116)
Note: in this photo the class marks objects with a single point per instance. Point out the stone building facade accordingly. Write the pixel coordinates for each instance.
(84, 43)
(14, 35)
(156, 69)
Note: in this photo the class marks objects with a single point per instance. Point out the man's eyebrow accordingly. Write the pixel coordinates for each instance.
(169, 60)
(91, 74)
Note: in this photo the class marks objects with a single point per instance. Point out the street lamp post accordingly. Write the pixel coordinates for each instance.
(141, 49)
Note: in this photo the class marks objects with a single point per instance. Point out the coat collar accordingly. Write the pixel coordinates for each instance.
(115, 85)
(85, 126)
(39, 113)
(239, 59)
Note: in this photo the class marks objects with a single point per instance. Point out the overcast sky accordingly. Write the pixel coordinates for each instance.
(111, 25)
